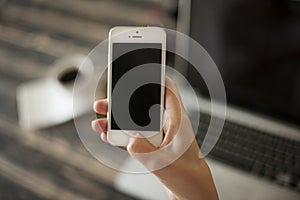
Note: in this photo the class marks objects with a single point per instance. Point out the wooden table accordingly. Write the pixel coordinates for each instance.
(52, 163)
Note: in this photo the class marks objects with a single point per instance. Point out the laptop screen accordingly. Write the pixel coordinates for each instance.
(256, 46)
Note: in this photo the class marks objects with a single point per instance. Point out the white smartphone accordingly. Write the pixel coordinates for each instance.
(139, 55)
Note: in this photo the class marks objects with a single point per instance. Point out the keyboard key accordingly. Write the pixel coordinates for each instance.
(254, 151)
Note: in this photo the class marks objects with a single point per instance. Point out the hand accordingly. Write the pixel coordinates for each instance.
(188, 176)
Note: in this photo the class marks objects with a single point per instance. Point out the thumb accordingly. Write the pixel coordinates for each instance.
(139, 145)
(146, 153)
(140, 149)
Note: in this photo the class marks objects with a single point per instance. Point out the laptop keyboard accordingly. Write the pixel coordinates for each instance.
(260, 153)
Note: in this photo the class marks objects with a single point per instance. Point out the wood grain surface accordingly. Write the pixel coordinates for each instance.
(52, 163)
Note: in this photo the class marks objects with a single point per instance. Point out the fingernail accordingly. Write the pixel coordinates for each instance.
(95, 125)
(165, 142)
(94, 105)
(162, 144)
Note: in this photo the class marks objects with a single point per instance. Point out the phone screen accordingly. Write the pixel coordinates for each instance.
(125, 57)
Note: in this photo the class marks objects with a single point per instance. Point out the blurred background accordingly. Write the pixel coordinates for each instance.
(52, 163)
(256, 46)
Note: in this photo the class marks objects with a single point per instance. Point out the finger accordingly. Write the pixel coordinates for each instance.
(99, 125)
(172, 96)
(170, 129)
(173, 111)
(101, 106)
(144, 152)
(139, 145)
(170, 132)
(171, 84)
(104, 137)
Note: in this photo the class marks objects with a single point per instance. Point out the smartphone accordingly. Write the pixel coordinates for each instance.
(141, 52)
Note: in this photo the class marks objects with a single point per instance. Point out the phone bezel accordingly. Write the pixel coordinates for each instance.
(135, 35)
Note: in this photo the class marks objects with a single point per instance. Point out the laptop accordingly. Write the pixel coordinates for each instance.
(256, 47)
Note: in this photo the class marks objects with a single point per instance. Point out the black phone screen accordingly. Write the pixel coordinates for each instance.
(127, 56)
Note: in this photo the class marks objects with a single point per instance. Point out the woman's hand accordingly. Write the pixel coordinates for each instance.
(185, 174)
